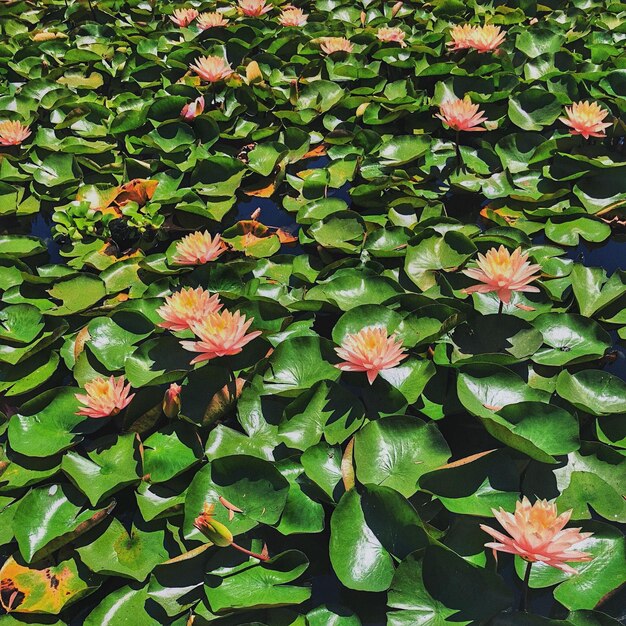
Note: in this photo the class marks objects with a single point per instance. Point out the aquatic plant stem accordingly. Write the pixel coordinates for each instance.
(523, 606)
(232, 391)
(457, 147)
(500, 308)
(93, 13)
(261, 557)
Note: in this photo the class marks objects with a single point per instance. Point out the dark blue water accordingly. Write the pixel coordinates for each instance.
(41, 227)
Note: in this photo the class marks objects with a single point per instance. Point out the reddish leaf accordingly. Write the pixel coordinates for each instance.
(316, 152)
(138, 190)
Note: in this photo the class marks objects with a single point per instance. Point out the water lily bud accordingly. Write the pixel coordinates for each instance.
(363, 18)
(396, 7)
(171, 401)
(253, 72)
(361, 108)
(192, 109)
(215, 532)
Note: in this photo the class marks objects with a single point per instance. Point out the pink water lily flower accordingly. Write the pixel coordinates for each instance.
(461, 37)
(186, 306)
(537, 533)
(211, 20)
(198, 248)
(212, 68)
(194, 108)
(13, 133)
(335, 44)
(254, 8)
(462, 115)
(487, 38)
(184, 17)
(585, 118)
(394, 34)
(503, 272)
(370, 350)
(292, 16)
(104, 397)
(220, 334)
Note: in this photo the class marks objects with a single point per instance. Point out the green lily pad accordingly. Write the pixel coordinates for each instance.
(112, 464)
(119, 552)
(49, 424)
(396, 451)
(261, 585)
(366, 530)
(51, 516)
(593, 391)
(569, 339)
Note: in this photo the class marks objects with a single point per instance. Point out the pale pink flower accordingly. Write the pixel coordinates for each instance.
(220, 334)
(462, 115)
(487, 38)
(184, 17)
(212, 68)
(585, 118)
(292, 16)
(503, 272)
(335, 44)
(392, 34)
(254, 8)
(104, 397)
(461, 37)
(537, 534)
(211, 20)
(370, 350)
(13, 133)
(186, 306)
(198, 248)
(192, 109)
